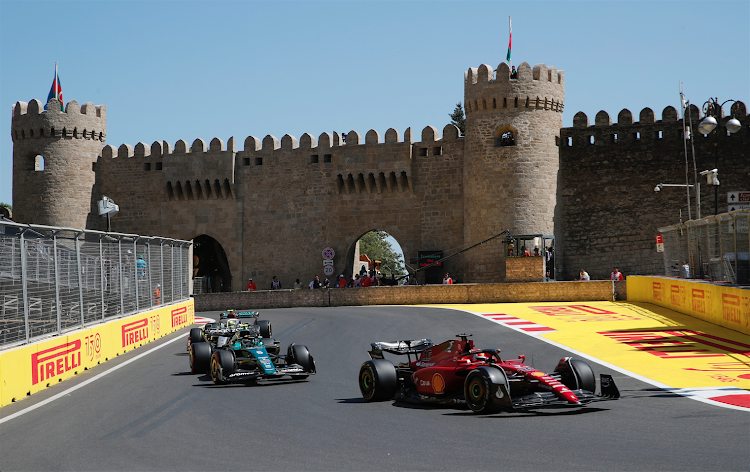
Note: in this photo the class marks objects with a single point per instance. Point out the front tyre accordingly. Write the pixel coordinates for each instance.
(200, 357)
(477, 392)
(222, 365)
(378, 380)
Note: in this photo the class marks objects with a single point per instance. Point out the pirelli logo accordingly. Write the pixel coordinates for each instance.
(179, 316)
(730, 308)
(134, 332)
(656, 289)
(55, 361)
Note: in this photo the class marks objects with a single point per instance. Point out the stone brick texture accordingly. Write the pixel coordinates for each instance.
(525, 269)
(415, 295)
(609, 213)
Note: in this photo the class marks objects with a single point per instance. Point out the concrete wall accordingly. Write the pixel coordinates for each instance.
(414, 295)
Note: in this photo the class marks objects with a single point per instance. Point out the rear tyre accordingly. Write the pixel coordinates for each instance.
(378, 380)
(265, 328)
(222, 365)
(477, 392)
(200, 357)
(196, 335)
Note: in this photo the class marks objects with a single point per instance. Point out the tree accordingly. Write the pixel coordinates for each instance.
(458, 118)
(6, 205)
(377, 247)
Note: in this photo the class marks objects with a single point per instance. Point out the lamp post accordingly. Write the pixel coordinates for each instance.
(714, 111)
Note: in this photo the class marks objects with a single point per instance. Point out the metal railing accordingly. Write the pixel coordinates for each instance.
(714, 248)
(54, 280)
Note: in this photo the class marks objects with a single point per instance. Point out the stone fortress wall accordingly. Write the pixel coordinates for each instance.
(275, 204)
(54, 154)
(608, 211)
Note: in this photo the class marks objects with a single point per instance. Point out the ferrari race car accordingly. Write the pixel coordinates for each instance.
(456, 372)
(232, 352)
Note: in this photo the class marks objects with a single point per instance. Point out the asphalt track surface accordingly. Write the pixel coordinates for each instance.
(151, 414)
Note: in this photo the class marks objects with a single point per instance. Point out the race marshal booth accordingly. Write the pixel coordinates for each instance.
(529, 258)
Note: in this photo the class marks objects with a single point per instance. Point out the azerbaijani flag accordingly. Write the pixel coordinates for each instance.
(510, 39)
(56, 91)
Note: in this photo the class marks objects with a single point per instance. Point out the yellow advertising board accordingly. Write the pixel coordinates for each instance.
(28, 369)
(718, 304)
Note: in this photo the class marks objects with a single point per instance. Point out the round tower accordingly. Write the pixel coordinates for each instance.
(54, 154)
(511, 158)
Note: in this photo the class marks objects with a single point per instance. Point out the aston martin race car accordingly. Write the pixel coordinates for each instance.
(455, 372)
(229, 323)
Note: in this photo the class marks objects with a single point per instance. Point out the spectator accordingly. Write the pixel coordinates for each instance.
(584, 276)
(342, 281)
(275, 284)
(447, 280)
(526, 253)
(141, 266)
(196, 261)
(686, 270)
(536, 251)
(251, 287)
(513, 72)
(315, 283)
(326, 283)
(297, 285)
(616, 275)
(365, 281)
(157, 295)
(357, 281)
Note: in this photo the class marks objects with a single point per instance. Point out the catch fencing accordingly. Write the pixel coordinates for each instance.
(54, 280)
(714, 248)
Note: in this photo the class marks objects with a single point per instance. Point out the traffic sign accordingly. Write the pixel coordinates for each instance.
(738, 196)
(328, 253)
(737, 206)
(328, 270)
(739, 225)
(659, 243)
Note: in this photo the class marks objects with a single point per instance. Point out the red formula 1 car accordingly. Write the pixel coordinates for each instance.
(454, 372)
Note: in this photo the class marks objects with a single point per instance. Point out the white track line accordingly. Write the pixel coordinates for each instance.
(86, 382)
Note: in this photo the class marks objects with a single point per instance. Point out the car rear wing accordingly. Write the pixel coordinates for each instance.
(247, 314)
(404, 347)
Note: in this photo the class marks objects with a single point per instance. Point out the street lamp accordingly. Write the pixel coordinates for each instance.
(713, 111)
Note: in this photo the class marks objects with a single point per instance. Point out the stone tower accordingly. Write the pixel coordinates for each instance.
(511, 158)
(54, 158)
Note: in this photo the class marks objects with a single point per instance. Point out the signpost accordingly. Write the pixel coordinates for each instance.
(328, 268)
(659, 243)
(738, 196)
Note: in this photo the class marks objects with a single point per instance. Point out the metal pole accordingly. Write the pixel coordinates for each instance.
(148, 271)
(716, 154)
(135, 269)
(25, 288)
(736, 256)
(57, 284)
(161, 263)
(721, 252)
(120, 272)
(181, 274)
(171, 267)
(101, 271)
(80, 282)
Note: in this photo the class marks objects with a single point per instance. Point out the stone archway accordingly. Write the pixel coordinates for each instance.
(212, 264)
(354, 251)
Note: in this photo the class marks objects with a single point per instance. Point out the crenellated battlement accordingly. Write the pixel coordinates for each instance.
(626, 130)
(540, 88)
(32, 121)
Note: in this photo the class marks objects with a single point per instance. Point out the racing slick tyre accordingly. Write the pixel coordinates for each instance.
(200, 357)
(579, 377)
(478, 389)
(298, 354)
(378, 380)
(222, 365)
(196, 335)
(265, 328)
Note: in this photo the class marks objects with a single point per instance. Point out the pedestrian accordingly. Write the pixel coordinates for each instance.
(357, 281)
(342, 281)
(297, 285)
(365, 281)
(141, 266)
(315, 283)
(275, 284)
(157, 295)
(526, 253)
(326, 283)
(616, 275)
(686, 270)
(584, 276)
(447, 280)
(251, 287)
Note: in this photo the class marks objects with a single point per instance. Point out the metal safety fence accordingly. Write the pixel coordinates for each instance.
(54, 280)
(713, 248)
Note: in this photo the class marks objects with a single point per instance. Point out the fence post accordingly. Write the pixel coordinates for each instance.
(25, 288)
(80, 281)
(161, 265)
(57, 284)
(181, 275)
(171, 266)
(135, 273)
(721, 252)
(101, 271)
(121, 275)
(148, 272)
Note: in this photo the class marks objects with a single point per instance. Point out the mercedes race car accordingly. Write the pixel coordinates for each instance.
(233, 352)
(456, 372)
(229, 323)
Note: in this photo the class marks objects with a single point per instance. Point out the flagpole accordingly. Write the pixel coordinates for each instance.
(57, 92)
(510, 38)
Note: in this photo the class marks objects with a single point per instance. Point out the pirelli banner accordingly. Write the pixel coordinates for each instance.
(28, 369)
(718, 304)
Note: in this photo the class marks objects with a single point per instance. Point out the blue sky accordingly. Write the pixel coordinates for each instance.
(170, 70)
